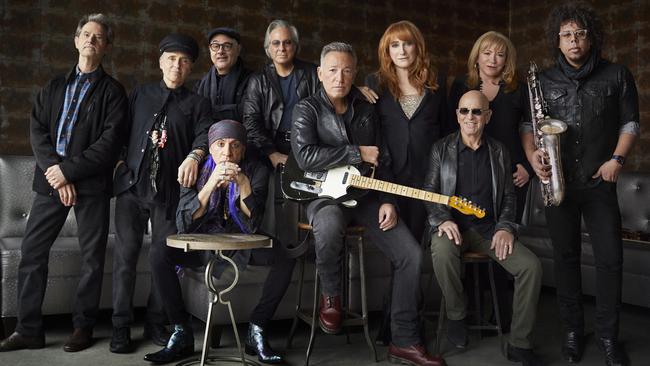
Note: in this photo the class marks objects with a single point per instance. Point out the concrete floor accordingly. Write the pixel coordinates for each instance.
(333, 350)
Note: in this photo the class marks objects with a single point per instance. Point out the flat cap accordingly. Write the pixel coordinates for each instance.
(180, 43)
(225, 31)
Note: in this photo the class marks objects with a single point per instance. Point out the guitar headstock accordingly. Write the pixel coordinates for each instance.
(466, 207)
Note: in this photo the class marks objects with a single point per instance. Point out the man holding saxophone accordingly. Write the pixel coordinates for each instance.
(598, 101)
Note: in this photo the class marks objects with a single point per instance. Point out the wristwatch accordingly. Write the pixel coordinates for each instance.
(619, 159)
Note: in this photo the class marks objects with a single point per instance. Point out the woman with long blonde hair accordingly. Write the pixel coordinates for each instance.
(411, 108)
(491, 68)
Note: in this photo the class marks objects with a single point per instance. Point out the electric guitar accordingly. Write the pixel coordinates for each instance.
(346, 184)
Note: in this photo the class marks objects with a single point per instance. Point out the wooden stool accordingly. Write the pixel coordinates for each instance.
(349, 318)
(475, 259)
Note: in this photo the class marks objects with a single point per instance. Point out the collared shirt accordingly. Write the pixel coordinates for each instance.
(74, 95)
(474, 182)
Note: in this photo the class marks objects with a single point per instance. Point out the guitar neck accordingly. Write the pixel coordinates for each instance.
(359, 181)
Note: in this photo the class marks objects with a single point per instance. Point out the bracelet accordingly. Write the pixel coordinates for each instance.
(194, 156)
(619, 159)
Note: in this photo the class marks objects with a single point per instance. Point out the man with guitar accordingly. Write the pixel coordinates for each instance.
(337, 127)
(478, 168)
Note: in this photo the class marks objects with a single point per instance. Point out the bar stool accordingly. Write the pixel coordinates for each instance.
(353, 234)
(475, 259)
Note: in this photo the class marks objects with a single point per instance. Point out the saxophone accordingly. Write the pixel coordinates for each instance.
(546, 132)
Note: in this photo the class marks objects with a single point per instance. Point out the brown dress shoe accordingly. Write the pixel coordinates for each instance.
(415, 355)
(18, 341)
(80, 339)
(330, 314)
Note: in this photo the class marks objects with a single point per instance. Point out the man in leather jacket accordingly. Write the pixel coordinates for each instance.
(336, 127)
(598, 101)
(268, 104)
(477, 167)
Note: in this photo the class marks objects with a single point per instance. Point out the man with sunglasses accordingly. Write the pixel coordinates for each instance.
(225, 83)
(470, 164)
(598, 101)
(268, 106)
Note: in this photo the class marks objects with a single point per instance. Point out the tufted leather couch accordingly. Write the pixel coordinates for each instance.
(16, 173)
(633, 190)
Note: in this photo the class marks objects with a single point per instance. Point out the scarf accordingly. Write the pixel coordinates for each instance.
(583, 71)
(220, 92)
(213, 203)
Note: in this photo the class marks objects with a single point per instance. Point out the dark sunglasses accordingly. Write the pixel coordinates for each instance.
(474, 111)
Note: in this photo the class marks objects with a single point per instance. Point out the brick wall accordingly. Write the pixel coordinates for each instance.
(36, 39)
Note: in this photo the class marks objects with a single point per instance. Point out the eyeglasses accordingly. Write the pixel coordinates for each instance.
(286, 43)
(474, 111)
(578, 33)
(227, 46)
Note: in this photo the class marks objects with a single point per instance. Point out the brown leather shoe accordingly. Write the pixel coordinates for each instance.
(18, 341)
(330, 314)
(415, 355)
(80, 339)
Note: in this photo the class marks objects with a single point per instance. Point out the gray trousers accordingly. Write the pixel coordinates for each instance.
(329, 223)
(522, 264)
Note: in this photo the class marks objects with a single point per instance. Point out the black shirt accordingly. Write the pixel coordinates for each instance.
(289, 98)
(508, 111)
(474, 182)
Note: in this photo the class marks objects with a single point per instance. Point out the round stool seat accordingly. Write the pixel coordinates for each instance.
(475, 257)
(350, 230)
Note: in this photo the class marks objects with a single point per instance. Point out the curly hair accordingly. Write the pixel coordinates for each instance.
(580, 13)
(421, 73)
(509, 73)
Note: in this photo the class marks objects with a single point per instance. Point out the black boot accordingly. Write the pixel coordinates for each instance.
(614, 353)
(256, 344)
(180, 345)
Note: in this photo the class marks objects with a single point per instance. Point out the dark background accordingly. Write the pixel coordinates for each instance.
(36, 40)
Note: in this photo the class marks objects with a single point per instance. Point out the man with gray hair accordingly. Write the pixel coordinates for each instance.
(74, 133)
(268, 105)
(336, 127)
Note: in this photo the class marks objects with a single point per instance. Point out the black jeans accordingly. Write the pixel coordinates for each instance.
(599, 208)
(329, 225)
(43, 226)
(275, 285)
(131, 217)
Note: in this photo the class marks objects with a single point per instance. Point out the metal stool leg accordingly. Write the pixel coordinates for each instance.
(314, 317)
(364, 303)
(441, 321)
(477, 297)
(301, 279)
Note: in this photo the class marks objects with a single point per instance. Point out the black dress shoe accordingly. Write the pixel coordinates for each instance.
(158, 333)
(18, 341)
(121, 340)
(80, 339)
(180, 345)
(614, 353)
(457, 333)
(526, 356)
(256, 344)
(573, 346)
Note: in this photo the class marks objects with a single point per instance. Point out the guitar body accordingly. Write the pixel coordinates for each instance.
(299, 185)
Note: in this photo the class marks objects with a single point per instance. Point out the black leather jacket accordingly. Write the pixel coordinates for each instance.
(594, 108)
(441, 178)
(319, 141)
(263, 105)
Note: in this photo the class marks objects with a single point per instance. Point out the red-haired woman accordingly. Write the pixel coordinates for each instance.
(411, 108)
(491, 68)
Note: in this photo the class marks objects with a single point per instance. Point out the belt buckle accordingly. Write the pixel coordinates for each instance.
(287, 136)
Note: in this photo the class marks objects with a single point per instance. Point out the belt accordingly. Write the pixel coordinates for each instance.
(283, 136)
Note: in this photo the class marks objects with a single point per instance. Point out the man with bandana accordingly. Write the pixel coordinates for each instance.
(229, 197)
(167, 139)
